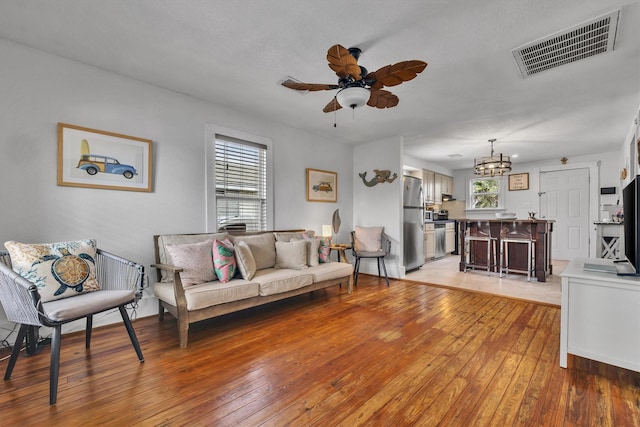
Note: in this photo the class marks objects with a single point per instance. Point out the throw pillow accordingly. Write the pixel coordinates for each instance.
(324, 247)
(246, 261)
(313, 245)
(291, 255)
(196, 261)
(368, 239)
(324, 251)
(224, 263)
(262, 247)
(59, 270)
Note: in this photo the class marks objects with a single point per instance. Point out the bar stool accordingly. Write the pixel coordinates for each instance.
(510, 232)
(481, 232)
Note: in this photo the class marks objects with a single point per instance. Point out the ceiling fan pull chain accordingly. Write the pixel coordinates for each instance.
(334, 112)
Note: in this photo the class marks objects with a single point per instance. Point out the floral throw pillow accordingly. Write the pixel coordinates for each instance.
(59, 270)
(224, 261)
(324, 247)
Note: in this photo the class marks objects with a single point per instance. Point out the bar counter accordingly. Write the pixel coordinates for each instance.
(539, 228)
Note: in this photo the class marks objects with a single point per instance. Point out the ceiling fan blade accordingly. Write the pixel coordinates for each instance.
(332, 106)
(393, 75)
(382, 99)
(343, 63)
(312, 87)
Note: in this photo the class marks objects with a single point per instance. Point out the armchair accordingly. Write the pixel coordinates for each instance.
(370, 242)
(119, 280)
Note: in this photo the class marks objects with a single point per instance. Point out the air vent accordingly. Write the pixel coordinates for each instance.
(590, 38)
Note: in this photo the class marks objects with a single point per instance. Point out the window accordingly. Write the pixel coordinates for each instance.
(240, 184)
(486, 193)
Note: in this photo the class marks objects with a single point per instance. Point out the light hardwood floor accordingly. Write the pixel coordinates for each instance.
(405, 355)
(445, 272)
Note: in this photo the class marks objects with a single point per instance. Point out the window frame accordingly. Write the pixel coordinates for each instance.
(212, 131)
(501, 194)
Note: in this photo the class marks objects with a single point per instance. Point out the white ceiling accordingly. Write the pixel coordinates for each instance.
(235, 53)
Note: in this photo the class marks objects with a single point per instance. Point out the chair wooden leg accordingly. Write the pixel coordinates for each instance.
(378, 267)
(89, 329)
(54, 368)
(132, 333)
(15, 352)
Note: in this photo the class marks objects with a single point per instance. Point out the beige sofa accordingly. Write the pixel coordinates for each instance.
(270, 282)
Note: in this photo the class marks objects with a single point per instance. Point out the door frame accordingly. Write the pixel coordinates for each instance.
(594, 199)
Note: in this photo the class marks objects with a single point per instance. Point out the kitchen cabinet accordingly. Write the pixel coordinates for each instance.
(434, 186)
(428, 179)
(446, 184)
(450, 237)
(437, 189)
(429, 241)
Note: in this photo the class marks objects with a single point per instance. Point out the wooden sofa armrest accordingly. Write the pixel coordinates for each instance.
(178, 289)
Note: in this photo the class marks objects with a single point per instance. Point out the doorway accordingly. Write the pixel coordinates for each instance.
(564, 198)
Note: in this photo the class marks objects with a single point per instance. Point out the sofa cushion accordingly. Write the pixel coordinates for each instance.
(291, 254)
(275, 281)
(263, 248)
(245, 260)
(368, 239)
(313, 245)
(196, 261)
(59, 270)
(179, 239)
(208, 294)
(330, 271)
(224, 260)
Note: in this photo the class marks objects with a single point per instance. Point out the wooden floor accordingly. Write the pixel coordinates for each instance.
(408, 354)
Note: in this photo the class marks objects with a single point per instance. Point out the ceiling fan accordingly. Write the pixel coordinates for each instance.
(356, 86)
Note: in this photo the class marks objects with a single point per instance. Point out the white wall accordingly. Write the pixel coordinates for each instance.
(382, 203)
(39, 90)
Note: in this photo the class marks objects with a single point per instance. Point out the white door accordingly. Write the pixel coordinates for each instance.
(564, 198)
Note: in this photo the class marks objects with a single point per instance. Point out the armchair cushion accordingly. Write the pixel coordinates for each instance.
(196, 261)
(59, 270)
(368, 239)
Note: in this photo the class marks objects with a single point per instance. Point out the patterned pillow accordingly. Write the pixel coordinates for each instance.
(224, 263)
(196, 261)
(324, 251)
(59, 270)
(324, 247)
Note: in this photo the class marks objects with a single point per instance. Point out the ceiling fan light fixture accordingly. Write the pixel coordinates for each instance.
(353, 97)
(494, 165)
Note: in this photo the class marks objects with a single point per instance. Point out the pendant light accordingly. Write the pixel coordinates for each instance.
(494, 165)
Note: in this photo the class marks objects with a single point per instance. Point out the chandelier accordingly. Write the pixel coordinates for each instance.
(493, 165)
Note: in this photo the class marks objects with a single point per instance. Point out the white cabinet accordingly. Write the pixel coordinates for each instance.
(446, 184)
(450, 237)
(428, 178)
(599, 317)
(429, 241)
(435, 185)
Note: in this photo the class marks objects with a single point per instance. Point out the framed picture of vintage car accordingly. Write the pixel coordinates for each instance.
(98, 159)
(322, 186)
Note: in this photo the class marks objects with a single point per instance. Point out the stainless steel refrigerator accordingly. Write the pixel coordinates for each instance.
(413, 222)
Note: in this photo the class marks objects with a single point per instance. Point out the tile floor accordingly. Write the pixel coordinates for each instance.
(444, 271)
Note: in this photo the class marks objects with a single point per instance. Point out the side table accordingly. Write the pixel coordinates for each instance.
(341, 248)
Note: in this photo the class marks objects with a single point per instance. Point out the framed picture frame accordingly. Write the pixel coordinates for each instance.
(93, 158)
(518, 181)
(322, 186)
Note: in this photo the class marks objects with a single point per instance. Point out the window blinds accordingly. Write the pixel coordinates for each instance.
(241, 184)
